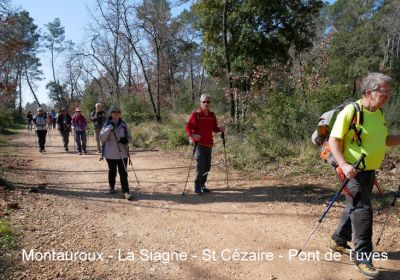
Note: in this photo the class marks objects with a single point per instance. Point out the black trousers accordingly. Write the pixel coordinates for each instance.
(113, 164)
(357, 215)
(203, 159)
(65, 137)
(41, 135)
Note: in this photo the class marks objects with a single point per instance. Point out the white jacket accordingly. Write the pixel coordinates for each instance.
(109, 138)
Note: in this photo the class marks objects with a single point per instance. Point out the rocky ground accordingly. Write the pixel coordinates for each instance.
(247, 231)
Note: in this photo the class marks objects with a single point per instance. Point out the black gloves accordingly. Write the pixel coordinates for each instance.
(123, 140)
(113, 125)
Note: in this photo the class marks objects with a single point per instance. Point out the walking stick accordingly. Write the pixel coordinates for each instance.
(226, 163)
(49, 137)
(130, 162)
(361, 159)
(190, 167)
(396, 195)
(120, 153)
(74, 139)
(36, 138)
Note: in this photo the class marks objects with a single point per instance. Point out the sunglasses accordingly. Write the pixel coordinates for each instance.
(205, 101)
(383, 92)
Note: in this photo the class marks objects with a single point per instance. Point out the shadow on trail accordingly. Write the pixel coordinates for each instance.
(116, 199)
(389, 274)
(309, 194)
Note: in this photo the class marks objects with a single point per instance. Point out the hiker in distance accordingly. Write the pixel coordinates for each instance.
(29, 119)
(373, 137)
(98, 117)
(200, 127)
(64, 121)
(79, 125)
(40, 121)
(115, 136)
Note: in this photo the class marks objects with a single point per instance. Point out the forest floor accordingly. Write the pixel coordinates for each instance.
(247, 231)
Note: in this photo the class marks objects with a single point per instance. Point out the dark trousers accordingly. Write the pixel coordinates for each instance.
(29, 122)
(357, 215)
(80, 138)
(97, 131)
(123, 175)
(203, 159)
(65, 137)
(41, 135)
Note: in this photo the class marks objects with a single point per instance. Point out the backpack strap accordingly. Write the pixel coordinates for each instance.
(358, 119)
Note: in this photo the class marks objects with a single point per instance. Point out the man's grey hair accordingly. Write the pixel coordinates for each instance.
(98, 104)
(205, 96)
(372, 81)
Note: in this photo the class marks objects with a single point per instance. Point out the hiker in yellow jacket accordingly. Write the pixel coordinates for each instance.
(371, 138)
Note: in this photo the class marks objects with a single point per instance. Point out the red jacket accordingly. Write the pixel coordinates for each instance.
(202, 125)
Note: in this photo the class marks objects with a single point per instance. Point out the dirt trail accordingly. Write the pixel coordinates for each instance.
(75, 214)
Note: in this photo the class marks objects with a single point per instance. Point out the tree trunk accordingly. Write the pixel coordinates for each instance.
(191, 76)
(201, 82)
(30, 87)
(354, 91)
(20, 93)
(227, 59)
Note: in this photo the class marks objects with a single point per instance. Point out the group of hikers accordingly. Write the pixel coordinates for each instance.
(350, 139)
(66, 124)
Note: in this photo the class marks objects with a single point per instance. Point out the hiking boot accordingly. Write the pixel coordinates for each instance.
(79, 152)
(85, 152)
(342, 249)
(66, 149)
(111, 191)
(205, 189)
(197, 188)
(128, 196)
(41, 150)
(367, 269)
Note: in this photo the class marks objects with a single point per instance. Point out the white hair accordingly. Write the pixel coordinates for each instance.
(372, 81)
(205, 96)
(98, 104)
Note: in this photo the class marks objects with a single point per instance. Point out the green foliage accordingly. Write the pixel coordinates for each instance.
(328, 97)
(7, 236)
(169, 134)
(5, 118)
(260, 31)
(176, 137)
(134, 109)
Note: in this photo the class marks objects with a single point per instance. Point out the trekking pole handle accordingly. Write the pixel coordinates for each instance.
(355, 165)
(223, 137)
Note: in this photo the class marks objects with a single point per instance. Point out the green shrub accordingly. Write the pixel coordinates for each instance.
(134, 109)
(176, 137)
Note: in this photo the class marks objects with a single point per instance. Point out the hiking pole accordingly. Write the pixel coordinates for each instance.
(130, 162)
(190, 167)
(74, 139)
(396, 195)
(49, 138)
(120, 153)
(226, 163)
(36, 139)
(361, 159)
